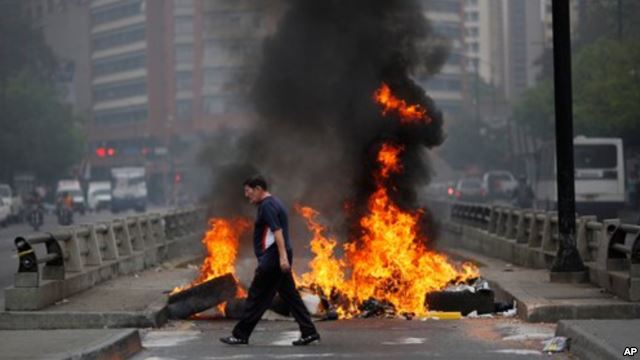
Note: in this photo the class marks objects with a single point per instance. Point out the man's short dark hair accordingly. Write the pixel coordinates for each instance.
(255, 181)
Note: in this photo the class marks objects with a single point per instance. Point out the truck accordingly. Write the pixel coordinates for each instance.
(128, 189)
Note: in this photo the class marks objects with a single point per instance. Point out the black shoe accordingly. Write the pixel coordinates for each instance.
(306, 340)
(232, 340)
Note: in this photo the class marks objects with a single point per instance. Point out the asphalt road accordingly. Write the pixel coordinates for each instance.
(498, 338)
(8, 262)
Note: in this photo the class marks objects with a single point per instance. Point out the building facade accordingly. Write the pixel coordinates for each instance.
(165, 73)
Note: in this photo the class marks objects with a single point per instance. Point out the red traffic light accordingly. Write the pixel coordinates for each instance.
(178, 178)
(101, 152)
(111, 151)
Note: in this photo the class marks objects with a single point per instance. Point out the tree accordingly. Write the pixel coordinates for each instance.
(38, 134)
(607, 90)
(606, 95)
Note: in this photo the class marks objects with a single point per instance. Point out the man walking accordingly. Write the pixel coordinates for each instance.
(273, 274)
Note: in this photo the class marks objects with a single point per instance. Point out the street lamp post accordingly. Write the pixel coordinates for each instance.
(568, 258)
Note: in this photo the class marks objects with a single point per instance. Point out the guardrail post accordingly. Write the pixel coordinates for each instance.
(521, 227)
(94, 257)
(493, 220)
(582, 242)
(111, 247)
(124, 245)
(72, 247)
(133, 234)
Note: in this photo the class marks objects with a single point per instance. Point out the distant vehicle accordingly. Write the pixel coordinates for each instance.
(14, 203)
(599, 177)
(498, 184)
(128, 189)
(99, 195)
(469, 189)
(5, 212)
(73, 188)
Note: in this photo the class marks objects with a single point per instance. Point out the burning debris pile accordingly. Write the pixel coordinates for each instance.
(342, 121)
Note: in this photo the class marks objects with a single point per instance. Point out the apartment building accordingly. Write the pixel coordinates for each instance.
(447, 87)
(165, 73)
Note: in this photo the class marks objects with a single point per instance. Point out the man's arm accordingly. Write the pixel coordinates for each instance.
(282, 251)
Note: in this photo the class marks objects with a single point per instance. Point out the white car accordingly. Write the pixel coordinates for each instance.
(499, 184)
(99, 195)
(5, 211)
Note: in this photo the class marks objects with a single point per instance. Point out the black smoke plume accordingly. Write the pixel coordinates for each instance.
(319, 128)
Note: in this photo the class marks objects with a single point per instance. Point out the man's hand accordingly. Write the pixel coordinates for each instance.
(284, 265)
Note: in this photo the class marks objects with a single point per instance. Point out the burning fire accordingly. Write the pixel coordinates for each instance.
(222, 241)
(408, 113)
(389, 262)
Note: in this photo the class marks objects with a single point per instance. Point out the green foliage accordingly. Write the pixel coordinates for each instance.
(607, 91)
(38, 134)
(606, 94)
(535, 110)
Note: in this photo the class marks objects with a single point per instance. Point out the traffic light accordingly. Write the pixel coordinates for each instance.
(101, 152)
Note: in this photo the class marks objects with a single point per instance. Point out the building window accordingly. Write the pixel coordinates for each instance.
(183, 25)
(129, 114)
(184, 53)
(183, 4)
(448, 29)
(184, 108)
(184, 80)
(444, 83)
(116, 11)
(118, 64)
(119, 37)
(443, 6)
(119, 91)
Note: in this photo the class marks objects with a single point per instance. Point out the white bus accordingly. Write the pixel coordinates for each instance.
(599, 177)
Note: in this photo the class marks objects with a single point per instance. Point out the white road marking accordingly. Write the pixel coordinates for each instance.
(300, 356)
(529, 336)
(518, 352)
(154, 339)
(286, 338)
(405, 341)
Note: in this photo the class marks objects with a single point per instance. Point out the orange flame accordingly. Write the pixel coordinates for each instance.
(408, 113)
(221, 241)
(389, 262)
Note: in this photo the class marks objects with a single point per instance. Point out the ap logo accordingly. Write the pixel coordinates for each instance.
(630, 351)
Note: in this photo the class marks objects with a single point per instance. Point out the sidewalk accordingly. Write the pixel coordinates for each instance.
(540, 300)
(100, 323)
(599, 324)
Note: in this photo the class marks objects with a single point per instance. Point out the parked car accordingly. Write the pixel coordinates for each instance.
(499, 184)
(5, 211)
(469, 189)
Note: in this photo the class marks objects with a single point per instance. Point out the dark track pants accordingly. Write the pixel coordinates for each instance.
(266, 281)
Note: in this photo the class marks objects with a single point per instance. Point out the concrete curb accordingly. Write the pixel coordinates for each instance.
(155, 315)
(119, 346)
(585, 345)
(535, 309)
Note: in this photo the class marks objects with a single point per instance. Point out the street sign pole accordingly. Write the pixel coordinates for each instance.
(568, 258)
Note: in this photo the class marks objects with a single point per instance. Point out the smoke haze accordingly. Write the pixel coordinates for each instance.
(319, 128)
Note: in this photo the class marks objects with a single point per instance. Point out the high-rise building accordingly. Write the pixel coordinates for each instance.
(447, 87)
(164, 74)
